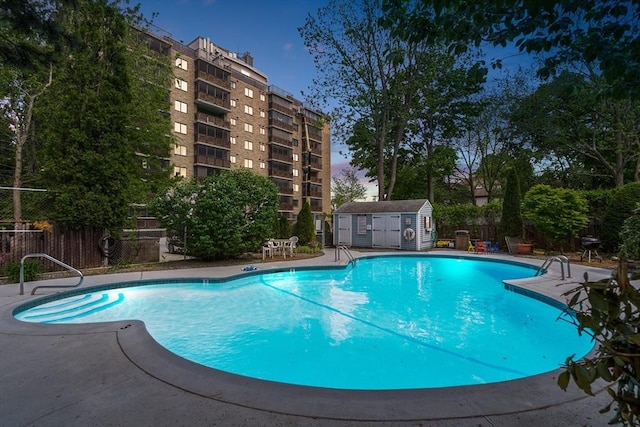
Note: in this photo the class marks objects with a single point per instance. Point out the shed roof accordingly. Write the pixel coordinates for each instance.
(390, 206)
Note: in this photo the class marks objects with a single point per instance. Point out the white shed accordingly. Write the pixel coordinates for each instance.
(394, 224)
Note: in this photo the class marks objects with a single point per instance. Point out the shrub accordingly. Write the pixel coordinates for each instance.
(631, 235)
(622, 204)
(31, 271)
(511, 223)
(558, 213)
(304, 227)
(228, 214)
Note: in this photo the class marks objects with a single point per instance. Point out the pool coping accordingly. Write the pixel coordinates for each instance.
(460, 402)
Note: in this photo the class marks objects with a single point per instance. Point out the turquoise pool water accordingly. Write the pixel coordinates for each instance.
(394, 322)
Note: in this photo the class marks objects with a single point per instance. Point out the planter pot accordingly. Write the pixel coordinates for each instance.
(524, 248)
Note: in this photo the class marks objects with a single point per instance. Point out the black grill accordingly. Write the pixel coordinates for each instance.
(590, 243)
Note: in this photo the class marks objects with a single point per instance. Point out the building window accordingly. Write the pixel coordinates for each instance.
(295, 157)
(233, 139)
(181, 84)
(178, 171)
(233, 85)
(295, 172)
(248, 127)
(180, 106)
(248, 145)
(263, 146)
(248, 92)
(262, 97)
(233, 102)
(296, 187)
(263, 131)
(248, 109)
(263, 114)
(263, 165)
(295, 142)
(180, 150)
(248, 163)
(232, 159)
(232, 121)
(181, 63)
(180, 128)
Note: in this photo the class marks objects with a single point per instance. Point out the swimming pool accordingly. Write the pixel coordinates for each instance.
(395, 322)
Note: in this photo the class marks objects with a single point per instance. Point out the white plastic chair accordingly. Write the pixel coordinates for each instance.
(268, 249)
(292, 245)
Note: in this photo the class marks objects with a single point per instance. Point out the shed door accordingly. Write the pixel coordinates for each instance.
(344, 230)
(386, 231)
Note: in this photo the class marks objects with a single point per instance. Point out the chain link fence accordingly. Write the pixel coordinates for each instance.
(34, 233)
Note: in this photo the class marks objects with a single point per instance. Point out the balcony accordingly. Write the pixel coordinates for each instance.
(281, 157)
(216, 142)
(280, 124)
(209, 78)
(213, 103)
(282, 108)
(212, 161)
(313, 134)
(213, 120)
(281, 141)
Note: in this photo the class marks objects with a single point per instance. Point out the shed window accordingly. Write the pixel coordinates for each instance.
(362, 224)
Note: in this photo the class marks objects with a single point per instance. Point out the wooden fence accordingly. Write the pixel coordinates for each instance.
(490, 232)
(79, 249)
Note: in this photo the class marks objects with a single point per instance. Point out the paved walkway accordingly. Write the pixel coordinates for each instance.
(115, 374)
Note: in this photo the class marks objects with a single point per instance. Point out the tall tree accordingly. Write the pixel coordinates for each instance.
(583, 132)
(347, 188)
(98, 113)
(369, 72)
(444, 90)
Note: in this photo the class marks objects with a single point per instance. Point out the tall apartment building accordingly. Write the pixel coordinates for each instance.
(226, 115)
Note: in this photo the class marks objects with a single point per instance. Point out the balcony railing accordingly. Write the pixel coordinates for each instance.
(212, 161)
(281, 141)
(226, 84)
(216, 142)
(223, 105)
(281, 108)
(213, 120)
(281, 124)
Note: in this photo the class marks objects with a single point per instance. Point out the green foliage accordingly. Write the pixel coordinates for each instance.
(31, 271)
(623, 202)
(228, 214)
(104, 138)
(602, 33)
(607, 311)
(558, 213)
(283, 227)
(630, 235)
(598, 200)
(304, 227)
(511, 223)
(456, 216)
(347, 188)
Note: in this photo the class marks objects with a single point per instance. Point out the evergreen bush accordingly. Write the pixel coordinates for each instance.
(511, 223)
(621, 207)
(304, 227)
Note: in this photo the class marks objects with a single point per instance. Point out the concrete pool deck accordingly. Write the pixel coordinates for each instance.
(116, 374)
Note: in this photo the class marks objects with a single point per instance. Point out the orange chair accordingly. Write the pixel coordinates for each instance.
(481, 247)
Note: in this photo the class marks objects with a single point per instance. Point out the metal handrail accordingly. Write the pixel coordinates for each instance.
(50, 258)
(561, 259)
(346, 251)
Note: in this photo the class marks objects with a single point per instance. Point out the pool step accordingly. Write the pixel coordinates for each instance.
(75, 308)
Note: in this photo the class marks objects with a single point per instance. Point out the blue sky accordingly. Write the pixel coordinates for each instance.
(268, 29)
